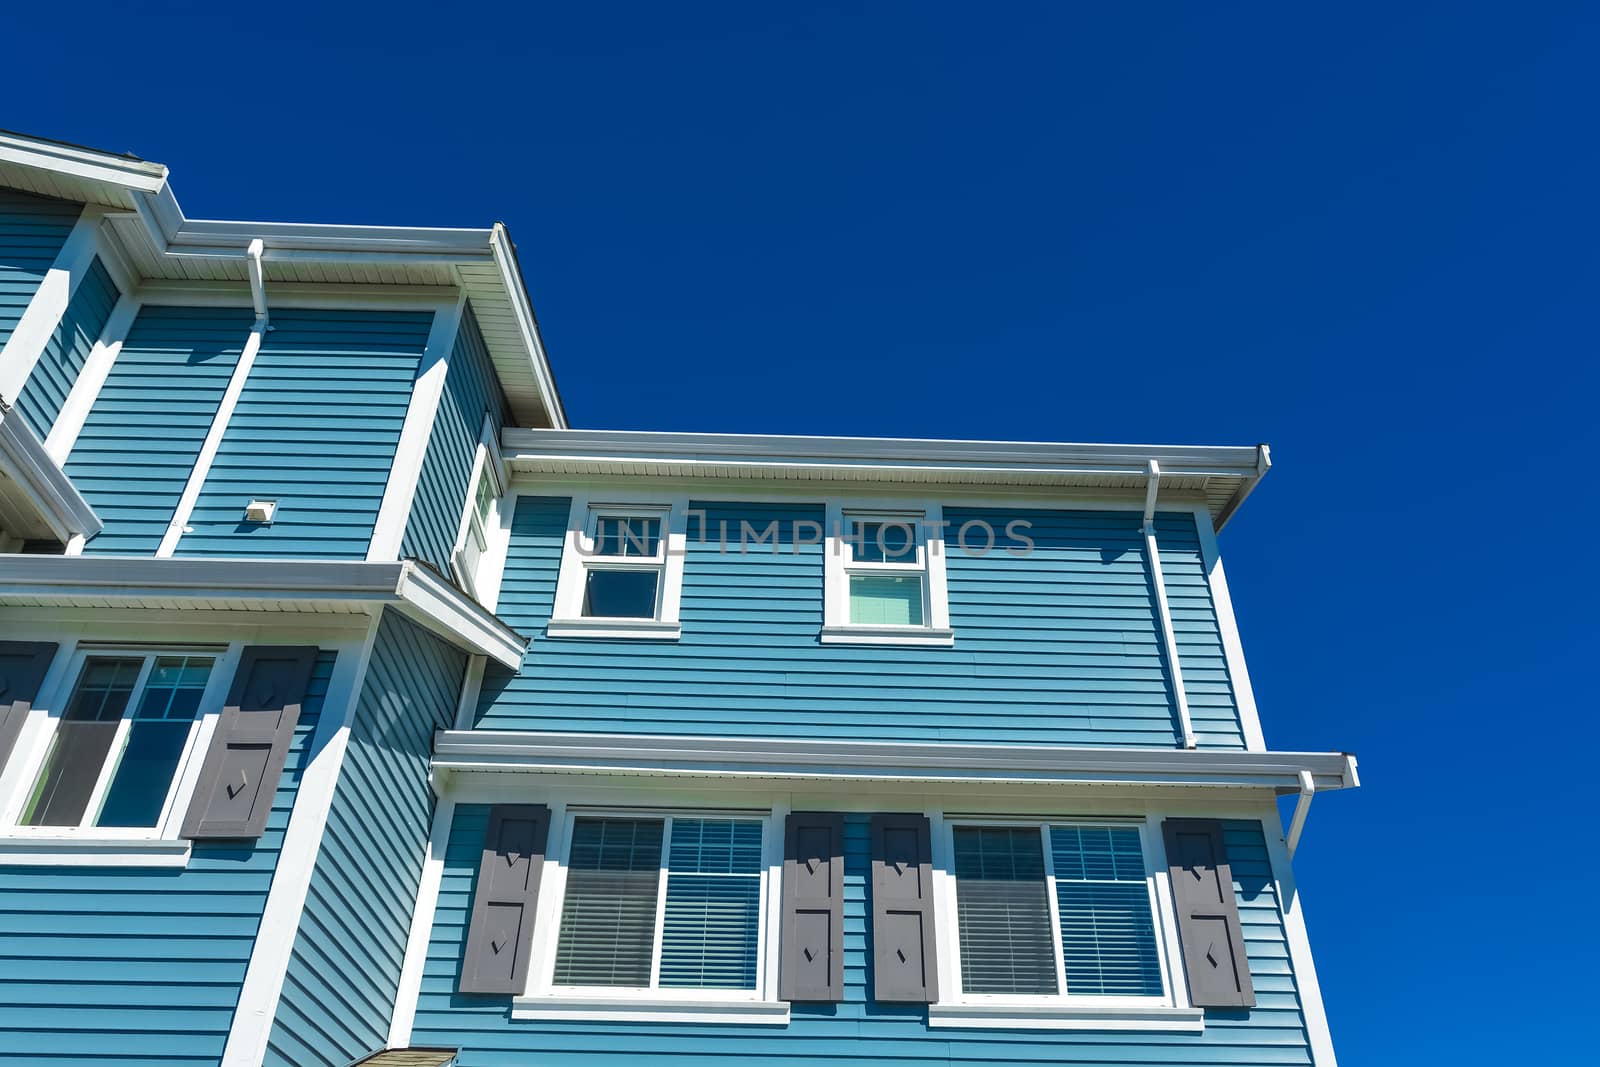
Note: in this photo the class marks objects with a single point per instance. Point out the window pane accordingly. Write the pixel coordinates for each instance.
(83, 738)
(632, 537)
(609, 594)
(483, 496)
(608, 919)
(884, 542)
(1002, 912)
(156, 741)
(1107, 932)
(713, 918)
(886, 600)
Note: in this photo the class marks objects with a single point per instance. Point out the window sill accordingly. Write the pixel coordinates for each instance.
(632, 629)
(1066, 1017)
(915, 636)
(649, 1010)
(93, 852)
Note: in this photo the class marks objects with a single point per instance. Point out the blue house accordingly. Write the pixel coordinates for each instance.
(355, 708)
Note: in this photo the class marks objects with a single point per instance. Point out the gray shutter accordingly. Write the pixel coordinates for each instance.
(500, 937)
(1208, 914)
(903, 950)
(240, 775)
(811, 963)
(22, 667)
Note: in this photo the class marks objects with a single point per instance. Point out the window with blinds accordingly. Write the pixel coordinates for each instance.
(1002, 911)
(1108, 936)
(620, 927)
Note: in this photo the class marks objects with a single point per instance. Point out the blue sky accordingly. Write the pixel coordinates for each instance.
(1366, 234)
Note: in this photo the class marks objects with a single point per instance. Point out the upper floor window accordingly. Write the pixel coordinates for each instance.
(480, 515)
(885, 578)
(620, 573)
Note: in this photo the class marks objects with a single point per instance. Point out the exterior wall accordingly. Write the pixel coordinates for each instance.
(124, 965)
(1062, 646)
(471, 391)
(315, 429)
(144, 432)
(858, 1031)
(57, 370)
(32, 231)
(340, 987)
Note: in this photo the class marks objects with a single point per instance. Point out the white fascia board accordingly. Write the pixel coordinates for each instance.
(57, 501)
(434, 602)
(527, 751)
(123, 172)
(505, 259)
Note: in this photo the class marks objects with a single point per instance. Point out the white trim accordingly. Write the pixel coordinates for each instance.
(471, 686)
(416, 958)
(166, 292)
(1066, 1017)
(297, 857)
(854, 634)
(926, 517)
(406, 468)
(485, 461)
(91, 379)
(629, 1010)
(94, 852)
(125, 172)
(213, 441)
(44, 487)
(1169, 637)
(1244, 694)
(43, 314)
(505, 258)
(492, 568)
(632, 629)
(577, 555)
(1294, 928)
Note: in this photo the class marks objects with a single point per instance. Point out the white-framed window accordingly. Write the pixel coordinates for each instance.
(621, 570)
(119, 759)
(885, 577)
(480, 514)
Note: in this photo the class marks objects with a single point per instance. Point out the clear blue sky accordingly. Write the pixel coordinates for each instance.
(1366, 234)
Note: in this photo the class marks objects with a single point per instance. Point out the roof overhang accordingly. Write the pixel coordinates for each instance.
(160, 244)
(1222, 475)
(926, 762)
(321, 587)
(37, 499)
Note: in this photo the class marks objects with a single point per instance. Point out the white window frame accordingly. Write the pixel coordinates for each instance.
(578, 558)
(927, 520)
(486, 461)
(543, 999)
(145, 846)
(1171, 1011)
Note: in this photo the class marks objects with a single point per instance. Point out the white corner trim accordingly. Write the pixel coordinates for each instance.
(297, 858)
(1062, 1017)
(416, 958)
(649, 1010)
(1294, 928)
(91, 379)
(1244, 694)
(471, 686)
(208, 449)
(93, 852)
(404, 471)
(43, 313)
(916, 636)
(630, 629)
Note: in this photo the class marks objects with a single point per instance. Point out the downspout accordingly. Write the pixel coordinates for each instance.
(1168, 637)
(1302, 808)
(258, 282)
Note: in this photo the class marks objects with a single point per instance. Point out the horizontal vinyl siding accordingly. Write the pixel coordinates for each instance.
(32, 231)
(1061, 646)
(315, 429)
(856, 1031)
(139, 444)
(57, 370)
(471, 390)
(121, 965)
(340, 987)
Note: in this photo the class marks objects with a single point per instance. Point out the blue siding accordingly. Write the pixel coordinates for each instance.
(857, 1032)
(57, 370)
(340, 987)
(471, 390)
(138, 446)
(102, 965)
(1059, 647)
(316, 430)
(32, 231)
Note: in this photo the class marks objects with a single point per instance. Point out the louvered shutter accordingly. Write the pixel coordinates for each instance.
(811, 960)
(903, 951)
(240, 775)
(1208, 914)
(500, 936)
(22, 668)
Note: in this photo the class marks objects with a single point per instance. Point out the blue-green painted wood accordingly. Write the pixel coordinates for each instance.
(57, 370)
(340, 987)
(138, 446)
(315, 429)
(471, 391)
(1061, 646)
(121, 965)
(858, 1032)
(32, 231)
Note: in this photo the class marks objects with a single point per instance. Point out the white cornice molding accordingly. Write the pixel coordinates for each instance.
(125, 172)
(41, 480)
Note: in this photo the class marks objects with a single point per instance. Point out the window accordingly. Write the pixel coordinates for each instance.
(117, 749)
(479, 517)
(1056, 910)
(885, 577)
(619, 574)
